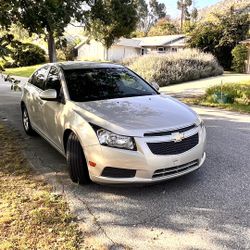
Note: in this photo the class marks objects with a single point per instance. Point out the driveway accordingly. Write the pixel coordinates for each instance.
(208, 209)
(198, 87)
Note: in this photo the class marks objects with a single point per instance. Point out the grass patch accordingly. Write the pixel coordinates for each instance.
(22, 71)
(31, 217)
(236, 96)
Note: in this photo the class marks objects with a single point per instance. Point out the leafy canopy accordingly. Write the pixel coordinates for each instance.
(111, 19)
(41, 17)
(163, 27)
(49, 17)
(221, 35)
(239, 54)
(149, 12)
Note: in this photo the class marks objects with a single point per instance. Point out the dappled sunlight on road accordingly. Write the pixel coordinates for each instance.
(198, 87)
(218, 114)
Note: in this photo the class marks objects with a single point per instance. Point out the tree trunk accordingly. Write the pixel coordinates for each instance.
(182, 15)
(51, 47)
(106, 53)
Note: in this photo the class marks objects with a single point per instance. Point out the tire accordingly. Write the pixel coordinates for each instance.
(26, 122)
(78, 169)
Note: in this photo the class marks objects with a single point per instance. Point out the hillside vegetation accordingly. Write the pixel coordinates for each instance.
(224, 6)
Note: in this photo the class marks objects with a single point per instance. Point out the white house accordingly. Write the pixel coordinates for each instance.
(126, 48)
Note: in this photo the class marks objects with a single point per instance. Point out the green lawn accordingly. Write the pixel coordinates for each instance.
(22, 71)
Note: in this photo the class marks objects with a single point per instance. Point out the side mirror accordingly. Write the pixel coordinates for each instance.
(48, 95)
(155, 85)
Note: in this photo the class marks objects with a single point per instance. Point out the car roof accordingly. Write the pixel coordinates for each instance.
(83, 65)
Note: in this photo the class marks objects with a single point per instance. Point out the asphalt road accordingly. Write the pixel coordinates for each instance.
(207, 209)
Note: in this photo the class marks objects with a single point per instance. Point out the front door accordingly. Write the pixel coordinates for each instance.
(52, 110)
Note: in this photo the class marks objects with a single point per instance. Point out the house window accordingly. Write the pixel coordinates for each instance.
(160, 49)
(142, 52)
(174, 49)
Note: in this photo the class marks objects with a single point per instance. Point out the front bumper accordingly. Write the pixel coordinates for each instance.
(143, 161)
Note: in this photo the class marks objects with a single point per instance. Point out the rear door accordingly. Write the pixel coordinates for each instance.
(34, 103)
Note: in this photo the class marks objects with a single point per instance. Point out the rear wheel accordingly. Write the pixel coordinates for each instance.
(26, 122)
(78, 169)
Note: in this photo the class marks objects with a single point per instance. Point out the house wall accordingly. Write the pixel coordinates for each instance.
(167, 49)
(117, 53)
(96, 51)
(92, 51)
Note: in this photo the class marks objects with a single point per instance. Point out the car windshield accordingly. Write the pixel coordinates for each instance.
(104, 83)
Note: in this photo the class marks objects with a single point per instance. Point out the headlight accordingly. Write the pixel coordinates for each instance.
(200, 122)
(110, 139)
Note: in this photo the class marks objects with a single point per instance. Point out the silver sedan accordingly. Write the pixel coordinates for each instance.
(111, 125)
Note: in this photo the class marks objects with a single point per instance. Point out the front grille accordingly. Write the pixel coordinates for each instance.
(175, 170)
(163, 133)
(118, 172)
(173, 148)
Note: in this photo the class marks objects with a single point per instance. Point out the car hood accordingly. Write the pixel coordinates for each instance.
(136, 115)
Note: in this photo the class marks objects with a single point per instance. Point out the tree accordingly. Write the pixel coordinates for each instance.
(163, 27)
(142, 13)
(222, 35)
(48, 17)
(239, 54)
(66, 48)
(5, 51)
(111, 19)
(158, 9)
(183, 6)
(194, 14)
(148, 15)
(190, 24)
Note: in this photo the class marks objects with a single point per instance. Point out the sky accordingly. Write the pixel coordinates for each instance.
(172, 5)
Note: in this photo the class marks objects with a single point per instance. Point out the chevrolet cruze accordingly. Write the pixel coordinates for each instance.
(111, 125)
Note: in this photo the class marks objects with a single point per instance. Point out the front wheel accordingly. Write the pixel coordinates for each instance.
(78, 169)
(26, 122)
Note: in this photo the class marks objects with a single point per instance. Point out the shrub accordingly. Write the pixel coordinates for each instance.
(26, 54)
(229, 93)
(239, 54)
(9, 64)
(175, 67)
(222, 93)
(66, 49)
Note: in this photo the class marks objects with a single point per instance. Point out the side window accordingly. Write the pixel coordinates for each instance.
(39, 77)
(53, 80)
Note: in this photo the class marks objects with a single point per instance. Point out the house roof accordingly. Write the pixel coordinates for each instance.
(246, 41)
(128, 42)
(84, 40)
(182, 42)
(173, 40)
(159, 40)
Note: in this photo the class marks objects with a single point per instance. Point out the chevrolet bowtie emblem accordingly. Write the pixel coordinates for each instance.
(177, 137)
